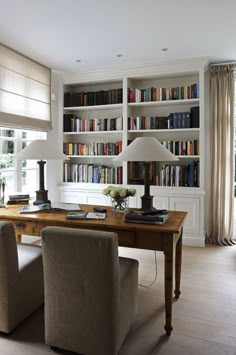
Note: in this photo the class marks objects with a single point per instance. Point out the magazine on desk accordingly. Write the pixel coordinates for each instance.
(86, 215)
(53, 207)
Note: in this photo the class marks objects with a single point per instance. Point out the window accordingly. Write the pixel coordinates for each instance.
(20, 176)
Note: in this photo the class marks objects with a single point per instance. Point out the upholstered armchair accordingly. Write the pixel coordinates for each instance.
(90, 293)
(21, 278)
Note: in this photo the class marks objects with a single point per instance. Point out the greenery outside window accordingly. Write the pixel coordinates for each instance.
(20, 176)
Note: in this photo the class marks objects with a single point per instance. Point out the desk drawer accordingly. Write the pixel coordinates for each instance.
(32, 228)
(125, 238)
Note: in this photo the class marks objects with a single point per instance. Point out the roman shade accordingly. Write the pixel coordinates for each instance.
(25, 92)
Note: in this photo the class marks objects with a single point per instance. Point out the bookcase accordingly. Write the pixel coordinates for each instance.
(93, 132)
(103, 113)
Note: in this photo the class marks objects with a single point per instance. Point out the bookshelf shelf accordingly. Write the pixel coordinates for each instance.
(164, 103)
(188, 156)
(92, 156)
(177, 131)
(118, 132)
(94, 107)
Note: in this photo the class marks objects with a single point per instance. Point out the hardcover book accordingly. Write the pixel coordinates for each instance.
(19, 195)
(146, 222)
(155, 217)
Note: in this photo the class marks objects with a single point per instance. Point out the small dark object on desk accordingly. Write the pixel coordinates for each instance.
(100, 209)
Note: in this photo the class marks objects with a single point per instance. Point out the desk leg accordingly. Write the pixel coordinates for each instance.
(178, 262)
(18, 238)
(169, 252)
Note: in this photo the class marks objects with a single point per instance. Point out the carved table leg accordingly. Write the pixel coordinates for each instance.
(178, 262)
(169, 246)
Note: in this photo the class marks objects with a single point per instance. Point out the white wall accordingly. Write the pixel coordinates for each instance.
(207, 152)
(54, 167)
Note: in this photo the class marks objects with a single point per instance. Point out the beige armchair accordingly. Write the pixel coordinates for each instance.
(21, 279)
(90, 293)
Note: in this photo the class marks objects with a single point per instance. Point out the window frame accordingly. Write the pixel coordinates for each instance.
(18, 168)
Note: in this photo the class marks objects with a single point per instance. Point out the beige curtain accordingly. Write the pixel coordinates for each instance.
(221, 214)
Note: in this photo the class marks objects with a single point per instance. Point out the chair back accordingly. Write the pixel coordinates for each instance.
(81, 277)
(9, 269)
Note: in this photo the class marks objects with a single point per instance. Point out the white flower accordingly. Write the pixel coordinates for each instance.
(123, 192)
(132, 192)
(114, 193)
(106, 191)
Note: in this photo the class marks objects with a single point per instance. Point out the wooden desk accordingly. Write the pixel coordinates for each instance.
(166, 238)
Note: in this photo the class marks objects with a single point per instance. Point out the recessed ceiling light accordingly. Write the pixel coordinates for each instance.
(164, 49)
(78, 60)
(119, 55)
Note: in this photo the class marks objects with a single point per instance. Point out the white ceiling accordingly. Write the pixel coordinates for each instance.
(57, 32)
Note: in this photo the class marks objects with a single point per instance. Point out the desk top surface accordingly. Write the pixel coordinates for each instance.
(113, 219)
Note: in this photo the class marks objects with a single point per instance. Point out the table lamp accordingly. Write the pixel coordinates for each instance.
(146, 149)
(41, 150)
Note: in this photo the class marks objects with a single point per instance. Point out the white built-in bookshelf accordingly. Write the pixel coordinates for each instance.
(103, 114)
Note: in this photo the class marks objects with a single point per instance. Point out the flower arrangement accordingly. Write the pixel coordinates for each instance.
(119, 197)
(118, 192)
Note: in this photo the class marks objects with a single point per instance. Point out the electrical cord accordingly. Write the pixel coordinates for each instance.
(155, 253)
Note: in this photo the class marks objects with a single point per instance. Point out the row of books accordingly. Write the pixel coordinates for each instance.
(93, 149)
(186, 147)
(163, 94)
(92, 173)
(170, 175)
(173, 175)
(174, 120)
(73, 123)
(187, 176)
(114, 96)
(101, 97)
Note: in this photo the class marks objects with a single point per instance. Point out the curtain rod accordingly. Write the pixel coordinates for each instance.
(224, 63)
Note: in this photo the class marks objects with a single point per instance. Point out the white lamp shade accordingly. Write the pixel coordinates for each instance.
(41, 150)
(146, 149)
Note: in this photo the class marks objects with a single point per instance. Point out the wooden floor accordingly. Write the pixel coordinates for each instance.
(204, 318)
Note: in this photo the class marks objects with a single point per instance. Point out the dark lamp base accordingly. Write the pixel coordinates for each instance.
(147, 203)
(41, 197)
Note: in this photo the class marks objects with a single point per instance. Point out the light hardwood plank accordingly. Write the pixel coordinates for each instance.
(204, 317)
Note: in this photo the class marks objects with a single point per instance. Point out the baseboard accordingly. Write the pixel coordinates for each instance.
(194, 240)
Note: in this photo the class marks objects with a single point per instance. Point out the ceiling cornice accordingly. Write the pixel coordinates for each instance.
(118, 73)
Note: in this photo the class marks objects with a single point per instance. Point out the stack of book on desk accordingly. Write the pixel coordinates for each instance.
(18, 198)
(147, 217)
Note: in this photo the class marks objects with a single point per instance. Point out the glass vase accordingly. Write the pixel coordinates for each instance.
(120, 204)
